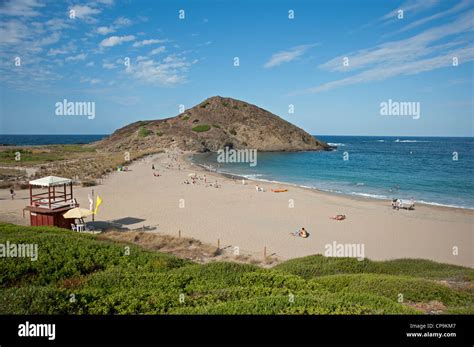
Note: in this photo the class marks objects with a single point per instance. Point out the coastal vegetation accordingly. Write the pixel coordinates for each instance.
(87, 274)
(84, 163)
(201, 128)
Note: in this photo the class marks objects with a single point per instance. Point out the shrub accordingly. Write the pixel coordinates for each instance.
(216, 126)
(104, 280)
(201, 128)
(185, 118)
(233, 131)
(318, 265)
(144, 132)
(88, 183)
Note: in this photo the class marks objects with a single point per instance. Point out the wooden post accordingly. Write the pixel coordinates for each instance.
(218, 243)
(49, 196)
(179, 233)
(93, 205)
(31, 195)
(265, 252)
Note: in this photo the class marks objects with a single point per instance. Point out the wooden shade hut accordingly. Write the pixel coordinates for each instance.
(49, 204)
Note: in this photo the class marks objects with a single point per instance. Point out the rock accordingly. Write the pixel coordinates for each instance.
(213, 124)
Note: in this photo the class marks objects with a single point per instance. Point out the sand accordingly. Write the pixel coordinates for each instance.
(239, 216)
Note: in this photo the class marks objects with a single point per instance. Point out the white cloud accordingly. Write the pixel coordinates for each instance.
(116, 40)
(460, 6)
(89, 80)
(64, 49)
(108, 66)
(78, 57)
(84, 12)
(286, 56)
(148, 42)
(118, 23)
(410, 8)
(12, 32)
(27, 8)
(158, 50)
(91, 63)
(105, 30)
(106, 2)
(410, 56)
(122, 21)
(170, 71)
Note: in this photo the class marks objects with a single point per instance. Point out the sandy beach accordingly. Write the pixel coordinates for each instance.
(239, 216)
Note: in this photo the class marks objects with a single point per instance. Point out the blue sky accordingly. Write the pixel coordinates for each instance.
(283, 61)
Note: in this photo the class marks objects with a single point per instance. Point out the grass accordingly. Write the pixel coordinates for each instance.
(82, 162)
(87, 274)
(144, 132)
(37, 155)
(201, 128)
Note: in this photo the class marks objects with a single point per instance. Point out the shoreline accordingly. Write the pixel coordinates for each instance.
(253, 222)
(189, 160)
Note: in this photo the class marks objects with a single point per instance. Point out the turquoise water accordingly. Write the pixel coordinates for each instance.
(379, 167)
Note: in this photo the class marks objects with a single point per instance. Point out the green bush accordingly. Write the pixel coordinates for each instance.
(389, 286)
(144, 132)
(201, 128)
(102, 279)
(318, 265)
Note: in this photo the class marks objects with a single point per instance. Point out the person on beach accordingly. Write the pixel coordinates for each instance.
(301, 233)
(12, 193)
(153, 166)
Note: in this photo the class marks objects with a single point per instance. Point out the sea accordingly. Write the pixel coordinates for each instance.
(37, 140)
(431, 170)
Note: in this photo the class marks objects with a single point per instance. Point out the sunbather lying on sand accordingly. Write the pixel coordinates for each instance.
(301, 233)
(339, 217)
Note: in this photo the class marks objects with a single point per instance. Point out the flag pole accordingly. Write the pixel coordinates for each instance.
(93, 205)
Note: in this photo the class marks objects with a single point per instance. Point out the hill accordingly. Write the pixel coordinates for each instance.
(80, 274)
(213, 124)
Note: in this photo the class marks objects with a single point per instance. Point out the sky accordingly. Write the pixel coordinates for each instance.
(333, 62)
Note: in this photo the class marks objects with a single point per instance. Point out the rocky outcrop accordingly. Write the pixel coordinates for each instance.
(213, 124)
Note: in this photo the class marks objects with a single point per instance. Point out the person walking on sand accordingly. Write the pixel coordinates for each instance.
(12, 193)
(153, 166)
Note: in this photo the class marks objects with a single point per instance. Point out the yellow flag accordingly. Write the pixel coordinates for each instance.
(98, 202)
